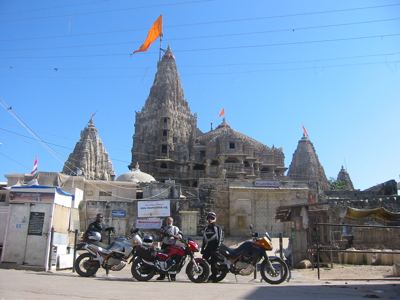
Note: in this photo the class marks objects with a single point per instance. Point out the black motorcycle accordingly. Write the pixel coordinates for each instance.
(244, 260)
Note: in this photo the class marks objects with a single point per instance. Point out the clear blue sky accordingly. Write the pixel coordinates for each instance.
(273, 65)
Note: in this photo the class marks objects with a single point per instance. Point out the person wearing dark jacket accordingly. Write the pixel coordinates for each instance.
(97, 226)
(212, 239)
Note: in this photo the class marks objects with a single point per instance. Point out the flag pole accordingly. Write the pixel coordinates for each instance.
(159, 52)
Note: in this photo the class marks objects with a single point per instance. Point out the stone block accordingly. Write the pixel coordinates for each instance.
(304, 264)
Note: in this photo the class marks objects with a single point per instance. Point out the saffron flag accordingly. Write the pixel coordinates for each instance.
(154, 32)
(305, 133)
(221, 113)
(35, 167)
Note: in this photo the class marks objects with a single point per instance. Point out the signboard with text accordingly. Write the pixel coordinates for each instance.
(118, 213)
(149, 223)
(148, 209)
(16, 197)
(36, 220)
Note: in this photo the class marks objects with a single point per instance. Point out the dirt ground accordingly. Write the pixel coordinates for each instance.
(346, 273)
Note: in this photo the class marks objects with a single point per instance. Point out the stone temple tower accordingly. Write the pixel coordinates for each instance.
(345, 180)
(305, 165)
(89, 157)
(165, 128)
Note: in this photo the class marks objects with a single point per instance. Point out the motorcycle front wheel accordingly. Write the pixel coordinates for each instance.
(275, 275)
(142, 271)
(86, 265)
(201, 274)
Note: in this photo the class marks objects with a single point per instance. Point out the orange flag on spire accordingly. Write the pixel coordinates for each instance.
(305, 133)
(221, 113)
(154, 32)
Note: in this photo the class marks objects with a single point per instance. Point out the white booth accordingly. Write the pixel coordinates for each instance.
(34, 211)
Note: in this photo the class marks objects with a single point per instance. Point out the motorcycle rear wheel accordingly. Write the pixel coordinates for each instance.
(201, 275)
(85, 265)
(277, 274)
(142, 271)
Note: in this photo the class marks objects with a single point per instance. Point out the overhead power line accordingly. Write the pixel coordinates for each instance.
(14, 160)
(208, 66)
(321, 67)
(291, 29)
(286, 15)
(315, 67)
(126, 9)
(380, 36)
(292, 43)
(81, 3)
(237, 20)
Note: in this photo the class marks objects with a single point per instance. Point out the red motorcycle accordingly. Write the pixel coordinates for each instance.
(150, 261)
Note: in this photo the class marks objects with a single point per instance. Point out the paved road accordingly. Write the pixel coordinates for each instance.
(23, 284)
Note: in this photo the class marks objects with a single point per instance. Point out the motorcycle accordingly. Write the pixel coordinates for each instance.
(244, 259)
(112, 257)
(150, 261)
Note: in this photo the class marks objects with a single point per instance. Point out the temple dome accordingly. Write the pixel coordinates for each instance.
(224, 130)
(136, 176)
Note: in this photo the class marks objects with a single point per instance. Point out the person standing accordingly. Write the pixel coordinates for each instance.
(213, 237)
(169, 233)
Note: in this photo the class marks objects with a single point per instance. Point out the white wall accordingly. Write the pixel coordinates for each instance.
(4, 211)
(21, 248)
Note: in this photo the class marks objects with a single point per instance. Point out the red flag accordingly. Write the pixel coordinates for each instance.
(305, 133)
(154, 32)
(35, 167)
(221, 113)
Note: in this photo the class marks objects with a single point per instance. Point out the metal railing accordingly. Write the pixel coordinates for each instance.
(323, 249)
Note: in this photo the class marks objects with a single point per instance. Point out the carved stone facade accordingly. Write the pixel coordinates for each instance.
(165, 128)
(89, 157)
(168, 144)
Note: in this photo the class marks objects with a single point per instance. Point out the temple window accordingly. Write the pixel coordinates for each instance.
(164, 148)
(198, 167)
(231, 145)
(105, 194)
(214, 163)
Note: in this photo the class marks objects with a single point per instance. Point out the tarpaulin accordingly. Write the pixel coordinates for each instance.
(380, 213)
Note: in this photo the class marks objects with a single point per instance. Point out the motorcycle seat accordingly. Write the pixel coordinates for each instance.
(102, 245)
(231, 252)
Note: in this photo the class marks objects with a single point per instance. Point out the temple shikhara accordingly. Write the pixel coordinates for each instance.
(168, 144)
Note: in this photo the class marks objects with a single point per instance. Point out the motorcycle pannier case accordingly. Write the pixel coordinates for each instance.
(145, 253)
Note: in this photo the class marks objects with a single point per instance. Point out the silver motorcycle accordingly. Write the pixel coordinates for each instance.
(112, 257)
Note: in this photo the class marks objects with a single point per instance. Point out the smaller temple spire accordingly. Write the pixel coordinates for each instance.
(305, 164)
(343, 179)
(89, 157)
